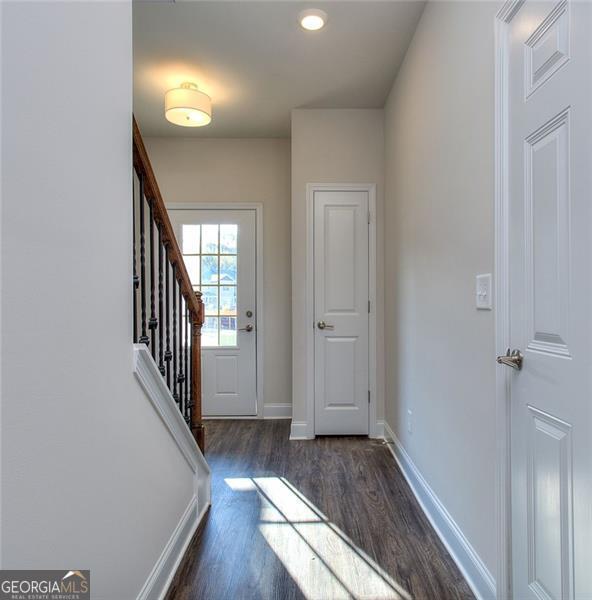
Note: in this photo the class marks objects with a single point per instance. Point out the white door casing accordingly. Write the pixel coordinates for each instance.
(341, 308)
(544, 255)
(229, 335)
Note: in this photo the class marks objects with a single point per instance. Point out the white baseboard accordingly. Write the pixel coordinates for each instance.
(468, 561)
(299, 431)
(164, 570)
(277, 411)
(377, 432)
(230, 418)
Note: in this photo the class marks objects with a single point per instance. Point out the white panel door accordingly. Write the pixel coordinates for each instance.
(219, 248)
(550, 195)
(341, 312)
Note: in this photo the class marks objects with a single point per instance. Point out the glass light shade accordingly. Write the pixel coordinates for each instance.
(187, 106)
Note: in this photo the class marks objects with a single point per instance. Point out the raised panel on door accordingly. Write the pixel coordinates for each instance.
(339, 280)
(341, 301)
(547, 236)
(340, 385)
(547, 48)
(549, 484)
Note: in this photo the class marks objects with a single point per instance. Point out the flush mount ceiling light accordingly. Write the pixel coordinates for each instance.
(187, 106)
(312, 19)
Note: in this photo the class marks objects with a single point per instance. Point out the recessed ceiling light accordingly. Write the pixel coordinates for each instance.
(312, 19)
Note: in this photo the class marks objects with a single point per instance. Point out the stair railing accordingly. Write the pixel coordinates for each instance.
(167, 312)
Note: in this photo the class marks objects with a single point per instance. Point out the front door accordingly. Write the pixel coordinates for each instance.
(341, 312)
(219, 249)
(550, 200)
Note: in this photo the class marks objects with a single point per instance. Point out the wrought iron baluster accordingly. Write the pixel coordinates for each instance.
(174, 299)
(143, 338)
(168, 354)
(153, 323)
(186, 383)
(161, 366)
(190, 404)
(136, 279)
(181, 375)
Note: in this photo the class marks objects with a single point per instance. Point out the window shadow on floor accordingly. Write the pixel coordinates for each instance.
(319, 557)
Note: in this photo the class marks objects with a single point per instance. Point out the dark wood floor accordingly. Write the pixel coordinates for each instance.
(320, 519)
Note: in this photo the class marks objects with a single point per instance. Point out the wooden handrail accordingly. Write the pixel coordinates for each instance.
(161, 216)
(192, 298)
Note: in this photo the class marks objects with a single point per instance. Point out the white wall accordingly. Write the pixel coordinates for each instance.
(243, 170)
(90, 476)
(439, 235)
(332, 146)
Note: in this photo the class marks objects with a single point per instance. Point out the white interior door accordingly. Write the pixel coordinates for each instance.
(341, 312)
(550, 195)
(219, 248)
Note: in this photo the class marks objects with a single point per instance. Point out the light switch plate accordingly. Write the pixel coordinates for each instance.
(483, 292)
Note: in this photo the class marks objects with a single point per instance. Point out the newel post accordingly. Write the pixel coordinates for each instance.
(196, 422)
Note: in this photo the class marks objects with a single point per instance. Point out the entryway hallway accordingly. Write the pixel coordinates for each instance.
(319, 519)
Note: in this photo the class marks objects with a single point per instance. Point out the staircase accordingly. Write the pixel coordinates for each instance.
(168, 312)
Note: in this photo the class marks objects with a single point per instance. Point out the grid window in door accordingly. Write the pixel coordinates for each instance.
(210, 254)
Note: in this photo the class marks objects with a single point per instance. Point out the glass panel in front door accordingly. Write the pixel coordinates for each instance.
(210, 252)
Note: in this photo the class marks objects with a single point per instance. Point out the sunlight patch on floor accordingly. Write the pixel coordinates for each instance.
(320, 558)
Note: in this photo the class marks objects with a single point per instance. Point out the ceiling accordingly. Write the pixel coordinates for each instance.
(257, 64)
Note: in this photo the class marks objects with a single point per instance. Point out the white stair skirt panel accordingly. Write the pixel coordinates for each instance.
(147, 373)
(464, 555)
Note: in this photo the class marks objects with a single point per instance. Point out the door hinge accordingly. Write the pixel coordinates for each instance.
(368, 306)
(368, 396)
(368, 217)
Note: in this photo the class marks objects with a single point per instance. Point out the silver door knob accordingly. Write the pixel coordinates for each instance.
(248, 328)
(323, 325)
(512, 359)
